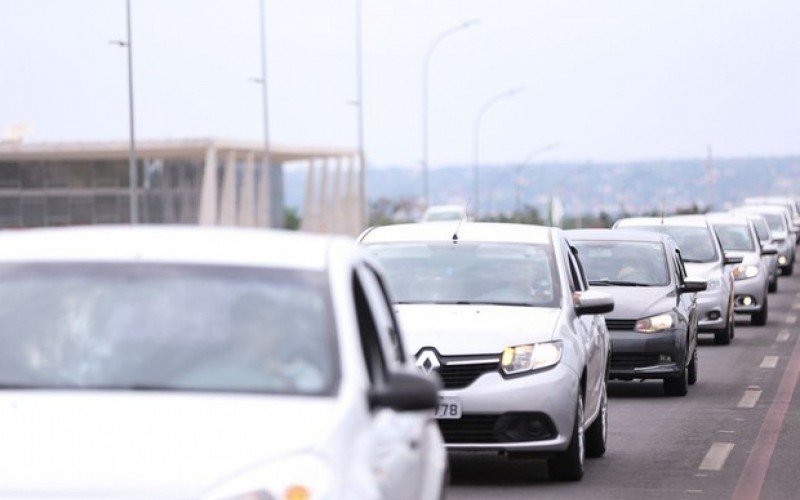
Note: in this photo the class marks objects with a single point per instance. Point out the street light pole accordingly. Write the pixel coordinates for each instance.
(363, 215)
(273, 219)
(132, 173)
(425, 72)
(518, 181)
(476, 130)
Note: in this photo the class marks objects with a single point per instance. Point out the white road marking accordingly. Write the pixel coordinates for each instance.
(700, 475)
(716, 456)
(791, 319)
(783, 336)
(769, 362)
(727, 432)
(749, 398)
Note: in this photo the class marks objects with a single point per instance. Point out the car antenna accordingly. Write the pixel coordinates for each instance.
(663, 207)
(461, 220)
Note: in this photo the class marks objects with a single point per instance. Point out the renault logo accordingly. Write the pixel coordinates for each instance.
(428, 361)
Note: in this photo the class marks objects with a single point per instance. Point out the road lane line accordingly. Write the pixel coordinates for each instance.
(751, 481)
(769, 362)
(791, 319)
(783, 336)
(716, 456)
(749, 398)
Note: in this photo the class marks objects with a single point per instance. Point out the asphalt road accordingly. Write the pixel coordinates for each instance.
(736, 435)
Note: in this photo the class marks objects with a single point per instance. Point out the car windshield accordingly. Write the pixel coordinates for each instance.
(470, 273)
(735, 237)
(762, 230)
(631, 263)
(696, 243)
(166, 327)
(775, 222)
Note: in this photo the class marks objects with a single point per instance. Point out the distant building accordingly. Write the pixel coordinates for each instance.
(204, 181)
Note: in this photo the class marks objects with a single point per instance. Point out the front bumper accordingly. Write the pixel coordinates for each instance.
(550, 393)
(755, 289)
(712, 310)
(646, 355)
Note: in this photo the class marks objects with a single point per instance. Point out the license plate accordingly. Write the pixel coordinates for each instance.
(449, 408)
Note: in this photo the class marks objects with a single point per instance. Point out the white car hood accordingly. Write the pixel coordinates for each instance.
(146, 445)
(474, 329)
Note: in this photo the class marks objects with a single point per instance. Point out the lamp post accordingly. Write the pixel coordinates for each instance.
(132, 173)
(476, 130)
(425, 74)
(518, 181)
(274, 220)
(363, 215)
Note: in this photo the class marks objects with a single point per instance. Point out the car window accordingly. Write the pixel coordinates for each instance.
(470, 273)
(368, 332)
(696, 243)
(762, 230)
(167, 327)
(624, 262)
(383, 315)
(735, 237)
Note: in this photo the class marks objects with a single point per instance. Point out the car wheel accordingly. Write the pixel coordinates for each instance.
(760, 318)
(724, 336)
(568, 465)
(773, 285)
(597, 433)
(677, 386)
(693, 369)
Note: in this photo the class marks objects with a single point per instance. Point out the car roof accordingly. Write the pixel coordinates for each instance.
(467, 231)
(444, 208)
(672, 220)
(615, 235)
(170, 244)
(727, 218)
(769, 209)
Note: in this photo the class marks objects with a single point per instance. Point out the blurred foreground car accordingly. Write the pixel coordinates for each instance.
(206, 363)
(751, 278)
(503, 313)
(653, 326)
(703, 258)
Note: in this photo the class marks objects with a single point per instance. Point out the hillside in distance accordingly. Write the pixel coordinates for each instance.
(586, 188)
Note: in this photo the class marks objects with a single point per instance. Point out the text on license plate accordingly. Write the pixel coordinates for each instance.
(448, 408)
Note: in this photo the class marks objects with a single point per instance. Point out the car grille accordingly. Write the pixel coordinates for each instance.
(633, 360)
(504, 428)
(620, 324)
(460, 376)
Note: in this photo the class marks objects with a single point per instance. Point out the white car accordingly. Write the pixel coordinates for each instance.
(206, 363)
(437, 213)
(504, 315)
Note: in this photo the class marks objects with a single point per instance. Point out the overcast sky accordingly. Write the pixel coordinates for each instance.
(606, 79)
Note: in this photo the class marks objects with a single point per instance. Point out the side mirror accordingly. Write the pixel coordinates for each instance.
(592, 302)
(406, 392)
(730, 259)
(694, 285)
(770, 250)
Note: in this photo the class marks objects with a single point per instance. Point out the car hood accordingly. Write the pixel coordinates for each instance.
(146, 445)
(633, 302)
(474, 329)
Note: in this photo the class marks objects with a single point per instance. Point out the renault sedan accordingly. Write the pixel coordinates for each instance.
(654, 324)
(504, 315)
(206, 363)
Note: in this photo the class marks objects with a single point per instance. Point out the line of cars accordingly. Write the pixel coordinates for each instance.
(232, 364)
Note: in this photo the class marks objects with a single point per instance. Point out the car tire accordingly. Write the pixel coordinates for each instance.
(677, 386)
(773, 285)
(692, 376)
(788, 270)
(597, 433)
(760, 318)
(568, 465)
(724, 336)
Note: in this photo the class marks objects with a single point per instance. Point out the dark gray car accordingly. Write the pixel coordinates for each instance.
(653, 327)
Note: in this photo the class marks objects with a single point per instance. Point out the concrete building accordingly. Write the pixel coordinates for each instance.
(202, 181)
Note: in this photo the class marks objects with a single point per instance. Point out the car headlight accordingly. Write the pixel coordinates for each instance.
(782, 260)
(742, 271)
(300, 477)
(657, 323)
(714, 283)
(529, 357)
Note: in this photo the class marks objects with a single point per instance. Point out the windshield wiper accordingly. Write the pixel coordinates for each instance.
(617, 283)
